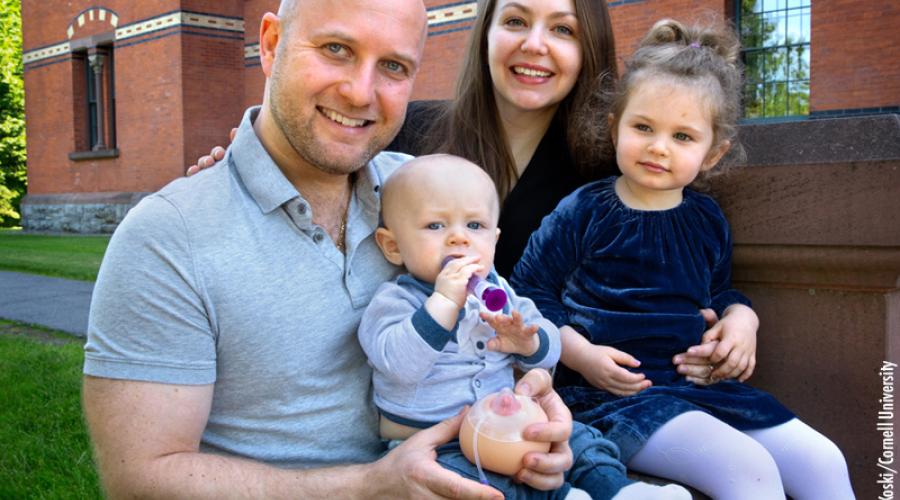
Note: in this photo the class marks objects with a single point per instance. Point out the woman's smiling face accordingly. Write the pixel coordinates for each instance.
(534, 53)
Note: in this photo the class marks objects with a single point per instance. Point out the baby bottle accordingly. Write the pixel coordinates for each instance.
(498, 421)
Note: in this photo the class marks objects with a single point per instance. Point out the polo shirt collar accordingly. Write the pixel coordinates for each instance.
(264, 181)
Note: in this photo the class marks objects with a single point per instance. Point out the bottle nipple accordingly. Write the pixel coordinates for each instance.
(505, 404)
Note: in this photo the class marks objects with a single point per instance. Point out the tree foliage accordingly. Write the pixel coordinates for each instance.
(12, 113)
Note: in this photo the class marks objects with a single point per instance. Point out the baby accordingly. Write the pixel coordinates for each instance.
(435, 348)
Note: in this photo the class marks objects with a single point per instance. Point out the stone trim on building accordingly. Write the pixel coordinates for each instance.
(89, 213)
(175, 19)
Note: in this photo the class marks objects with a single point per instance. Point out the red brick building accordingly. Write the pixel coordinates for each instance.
(121, 95)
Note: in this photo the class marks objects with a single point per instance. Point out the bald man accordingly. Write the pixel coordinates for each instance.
(221, 358)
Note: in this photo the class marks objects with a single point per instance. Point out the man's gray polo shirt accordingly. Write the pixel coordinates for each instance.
(222, 278)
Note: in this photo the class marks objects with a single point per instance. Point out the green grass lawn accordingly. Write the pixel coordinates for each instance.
(45, 449)
(76, 257)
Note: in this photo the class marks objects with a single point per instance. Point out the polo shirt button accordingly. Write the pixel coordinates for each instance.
(479, 344)
(318, 237)
(301, 209)
(477, 383)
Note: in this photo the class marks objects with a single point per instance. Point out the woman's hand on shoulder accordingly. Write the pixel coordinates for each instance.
(216, 154)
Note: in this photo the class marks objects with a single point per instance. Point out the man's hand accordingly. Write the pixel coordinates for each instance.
(411, 470)
(513, 335)
(544, 471)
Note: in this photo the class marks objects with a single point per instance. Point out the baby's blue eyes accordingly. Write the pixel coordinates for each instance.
(434, 226)
(681, 136)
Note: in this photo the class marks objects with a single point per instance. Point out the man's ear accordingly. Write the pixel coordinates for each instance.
(715, 154)
(613, 130)
(388, 245)
(269, 36)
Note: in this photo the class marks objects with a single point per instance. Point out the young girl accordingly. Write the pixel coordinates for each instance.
(626, 263)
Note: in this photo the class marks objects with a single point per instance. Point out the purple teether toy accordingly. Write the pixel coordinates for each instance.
(493, 297)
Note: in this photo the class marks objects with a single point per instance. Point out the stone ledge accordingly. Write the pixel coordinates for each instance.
(94, 155)
(77, 212)
(127, 198)
(828, 140)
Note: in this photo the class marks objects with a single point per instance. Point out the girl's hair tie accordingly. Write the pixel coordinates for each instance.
(695, 45)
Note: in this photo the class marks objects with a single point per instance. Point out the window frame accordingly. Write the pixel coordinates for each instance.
(787, 75)
(83, 50)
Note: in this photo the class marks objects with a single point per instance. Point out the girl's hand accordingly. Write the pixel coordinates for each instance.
(513, 335)
(216, 154)
(735, 354)
(602, 367)
(694, 363)
(727, 349)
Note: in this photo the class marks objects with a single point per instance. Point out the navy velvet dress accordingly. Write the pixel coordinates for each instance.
(636, 280)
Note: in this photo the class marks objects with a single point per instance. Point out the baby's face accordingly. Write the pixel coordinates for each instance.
(452, 216)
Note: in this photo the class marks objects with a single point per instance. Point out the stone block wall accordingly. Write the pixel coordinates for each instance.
(814, 215)
(89, 213)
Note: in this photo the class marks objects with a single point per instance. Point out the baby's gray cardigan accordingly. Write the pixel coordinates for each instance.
(423, 373)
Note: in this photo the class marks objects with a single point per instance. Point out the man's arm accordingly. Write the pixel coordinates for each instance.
(147, 435)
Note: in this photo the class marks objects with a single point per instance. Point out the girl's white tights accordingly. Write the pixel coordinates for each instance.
(699, 450)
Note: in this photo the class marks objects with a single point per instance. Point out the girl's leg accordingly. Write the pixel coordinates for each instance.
(699, 450)
(811, 465)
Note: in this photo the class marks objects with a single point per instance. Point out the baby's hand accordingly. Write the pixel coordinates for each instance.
(603, 368)
(452, 280)
(513, 336)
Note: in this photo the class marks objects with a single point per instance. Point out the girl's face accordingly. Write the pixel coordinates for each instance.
(533, 53)
(664, 138)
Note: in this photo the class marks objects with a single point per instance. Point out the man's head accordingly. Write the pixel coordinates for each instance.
(435, 207)
(339, 76)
